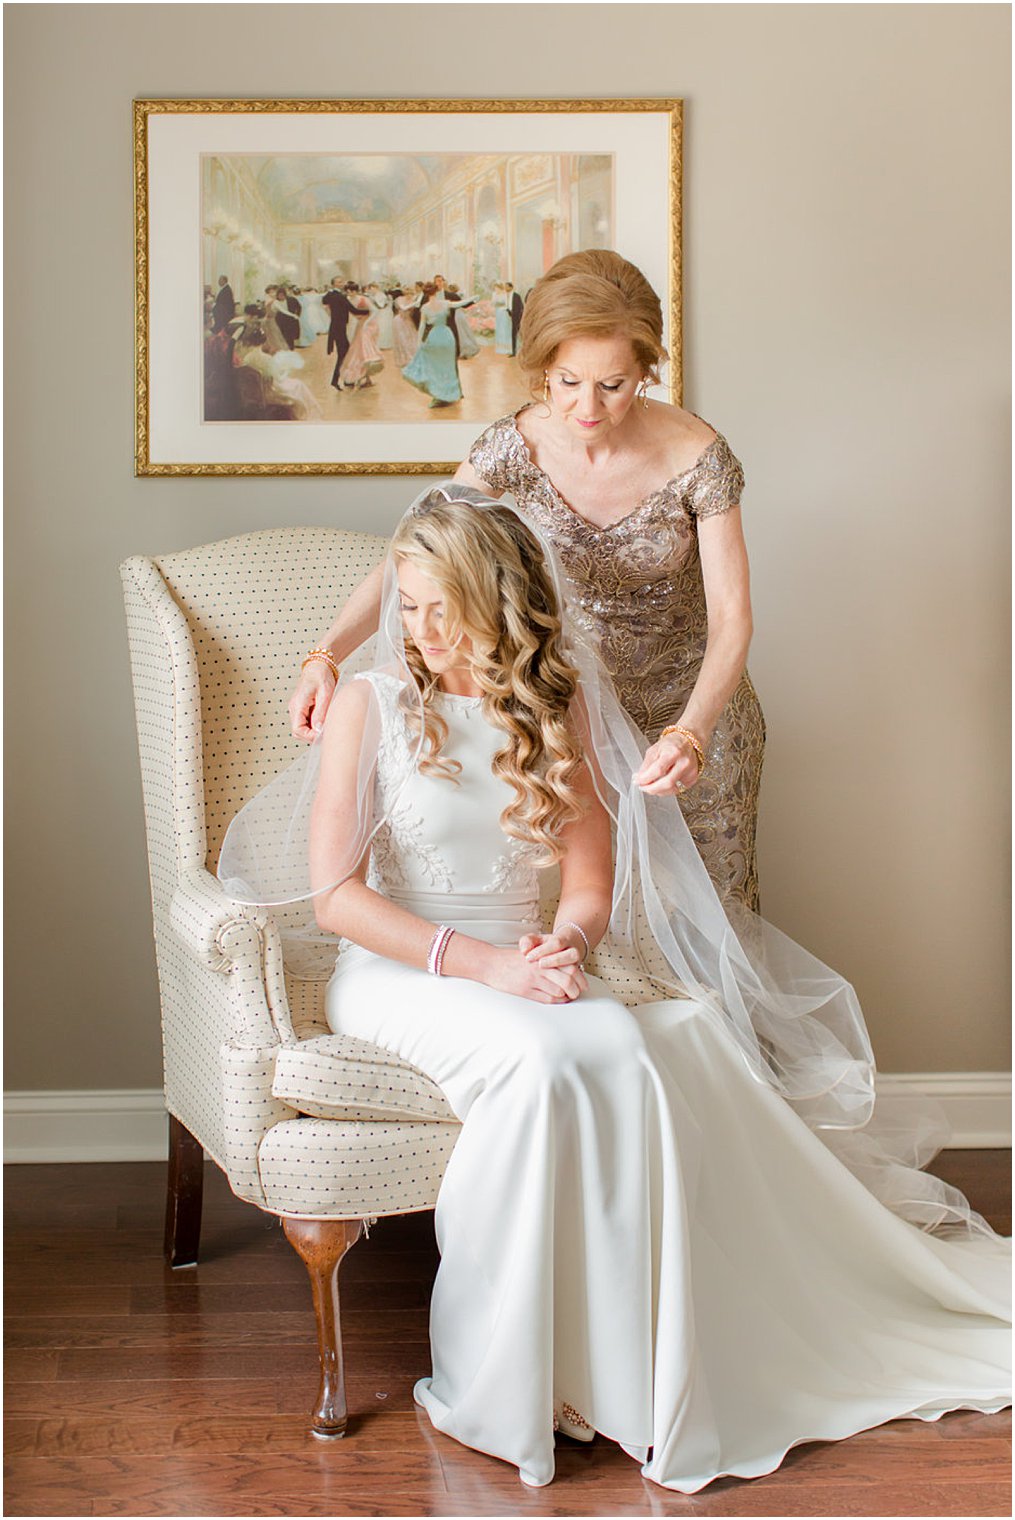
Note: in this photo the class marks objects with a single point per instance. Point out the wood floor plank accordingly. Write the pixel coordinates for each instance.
(30, 1366)
(37, 1302)
(197, 1296)
(161, 1397)
(20, 1436)
(961, 1499)
(201, 1483)
(243, 1363)
(255, 1435)
(282, 1504)
(116, 1270)
(208, 1331)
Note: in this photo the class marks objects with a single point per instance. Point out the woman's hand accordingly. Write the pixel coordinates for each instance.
(554, 952)
(308, 705)
(508, 970)
(670, 766)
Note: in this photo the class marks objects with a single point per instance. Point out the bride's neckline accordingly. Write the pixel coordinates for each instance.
(454, 698)
(646, 501)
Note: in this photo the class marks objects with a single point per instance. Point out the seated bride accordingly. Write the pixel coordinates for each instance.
(673, 1224)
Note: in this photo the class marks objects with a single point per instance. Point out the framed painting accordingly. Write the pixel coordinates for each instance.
(295, 259)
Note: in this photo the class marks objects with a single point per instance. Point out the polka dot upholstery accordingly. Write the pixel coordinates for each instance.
(335, 1076)
(325, 1167)
(254, 606)
(302, 1121)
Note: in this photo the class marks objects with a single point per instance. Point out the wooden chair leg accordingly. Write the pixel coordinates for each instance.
(183, 1196)
(322, 1243)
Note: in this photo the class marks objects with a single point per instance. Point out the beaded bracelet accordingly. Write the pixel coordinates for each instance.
(569, 923)
(692, 739)
(326, 656)
(438, 945)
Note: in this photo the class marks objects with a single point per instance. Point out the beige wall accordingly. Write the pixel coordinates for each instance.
(847, 316)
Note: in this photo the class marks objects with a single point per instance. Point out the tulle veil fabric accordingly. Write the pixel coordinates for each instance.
(797, 1023)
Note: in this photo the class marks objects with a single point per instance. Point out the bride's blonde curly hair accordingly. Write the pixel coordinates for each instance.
(499, 594)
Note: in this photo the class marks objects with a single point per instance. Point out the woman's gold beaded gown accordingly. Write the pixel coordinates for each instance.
(637, 586)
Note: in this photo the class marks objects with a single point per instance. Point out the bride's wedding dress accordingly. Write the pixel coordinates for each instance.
(638, 1237)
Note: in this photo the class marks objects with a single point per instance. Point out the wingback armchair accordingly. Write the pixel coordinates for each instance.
(328, 1132)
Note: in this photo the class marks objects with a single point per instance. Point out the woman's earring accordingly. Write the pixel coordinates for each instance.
(546, 385)
(643, 393)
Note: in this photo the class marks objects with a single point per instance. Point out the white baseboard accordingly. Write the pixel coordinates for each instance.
(119, 1125)
(102, 1125)
(976, 1104)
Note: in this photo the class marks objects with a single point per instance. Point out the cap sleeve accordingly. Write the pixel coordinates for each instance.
(717, 482)
(495, 455)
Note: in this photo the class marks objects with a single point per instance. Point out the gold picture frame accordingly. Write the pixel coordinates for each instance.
(173, 139)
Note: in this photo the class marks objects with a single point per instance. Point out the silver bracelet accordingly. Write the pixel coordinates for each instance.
(569, 923)
(438, 945)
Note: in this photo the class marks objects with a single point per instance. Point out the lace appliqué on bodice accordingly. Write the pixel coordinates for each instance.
(442, 835)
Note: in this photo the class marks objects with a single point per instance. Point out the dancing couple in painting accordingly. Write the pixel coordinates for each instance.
(433, 368)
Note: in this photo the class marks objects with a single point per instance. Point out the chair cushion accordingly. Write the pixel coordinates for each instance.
(335, 1076)
(318, 1169)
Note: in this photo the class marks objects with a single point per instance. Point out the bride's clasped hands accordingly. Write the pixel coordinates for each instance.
(549, 961)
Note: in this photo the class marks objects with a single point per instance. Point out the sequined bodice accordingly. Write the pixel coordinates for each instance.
(636, 585)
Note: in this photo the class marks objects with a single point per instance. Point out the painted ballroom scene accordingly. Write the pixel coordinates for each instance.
(380, 287)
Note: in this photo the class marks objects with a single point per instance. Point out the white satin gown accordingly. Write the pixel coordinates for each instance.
(636, 1236)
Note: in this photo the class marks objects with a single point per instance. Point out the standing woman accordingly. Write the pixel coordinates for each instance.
(274, 338)
(308, 321)
(381, 304)
(404, 336)
(502, 321)
(460, 306)
(641, 501)
(364, 357)
(434, 366)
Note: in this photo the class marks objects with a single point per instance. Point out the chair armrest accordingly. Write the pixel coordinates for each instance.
(249, 1110)
(241, 942)
(214, 928)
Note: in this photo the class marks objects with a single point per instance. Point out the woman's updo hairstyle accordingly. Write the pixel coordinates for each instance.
(591, 294)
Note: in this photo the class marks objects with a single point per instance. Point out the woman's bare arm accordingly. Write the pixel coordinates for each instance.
(726, 576)
(670, 763)
(358, 618)
(308, 705)
(586, 886)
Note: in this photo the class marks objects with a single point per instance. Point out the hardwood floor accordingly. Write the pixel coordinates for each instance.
(135, 1390)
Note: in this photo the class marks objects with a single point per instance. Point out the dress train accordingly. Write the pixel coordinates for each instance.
(633, 1225)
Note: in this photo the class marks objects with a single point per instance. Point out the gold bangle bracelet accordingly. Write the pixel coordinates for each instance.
(691, 739)
(327, 658)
